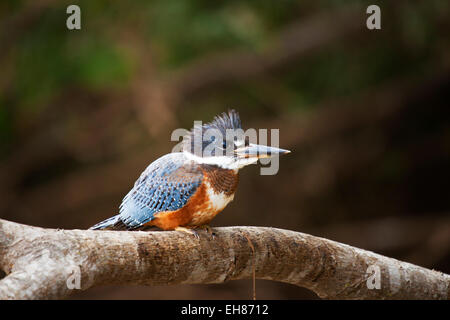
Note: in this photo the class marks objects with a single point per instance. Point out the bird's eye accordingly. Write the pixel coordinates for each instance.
(224, 144)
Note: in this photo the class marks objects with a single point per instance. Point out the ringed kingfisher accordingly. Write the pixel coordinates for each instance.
(186, 190)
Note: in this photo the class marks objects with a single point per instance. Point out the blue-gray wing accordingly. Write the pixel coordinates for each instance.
(166, 185)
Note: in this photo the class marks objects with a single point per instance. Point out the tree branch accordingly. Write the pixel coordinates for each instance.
(38, 262)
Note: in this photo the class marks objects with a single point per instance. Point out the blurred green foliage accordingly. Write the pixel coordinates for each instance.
(49, 59)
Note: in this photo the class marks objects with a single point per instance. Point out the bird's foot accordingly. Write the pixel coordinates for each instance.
(209, 230)
(188, 230)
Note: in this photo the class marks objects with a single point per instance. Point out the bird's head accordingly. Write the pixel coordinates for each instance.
(224, 143)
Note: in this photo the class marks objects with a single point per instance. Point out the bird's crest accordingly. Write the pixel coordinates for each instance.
(204, 134)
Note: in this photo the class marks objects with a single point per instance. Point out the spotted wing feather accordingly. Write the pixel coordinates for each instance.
(166, 185)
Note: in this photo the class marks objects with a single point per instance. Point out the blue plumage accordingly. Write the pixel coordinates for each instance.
(166, 185)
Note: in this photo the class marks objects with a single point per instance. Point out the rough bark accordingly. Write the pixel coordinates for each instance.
(40, 262)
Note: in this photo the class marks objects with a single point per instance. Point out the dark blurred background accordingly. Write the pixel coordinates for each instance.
(366, 114)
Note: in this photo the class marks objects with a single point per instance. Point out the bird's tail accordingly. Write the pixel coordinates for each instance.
(109, 223)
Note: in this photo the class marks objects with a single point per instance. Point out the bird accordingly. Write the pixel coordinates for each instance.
(185, 190)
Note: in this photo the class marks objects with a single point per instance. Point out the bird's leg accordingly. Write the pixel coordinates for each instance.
(188, 230)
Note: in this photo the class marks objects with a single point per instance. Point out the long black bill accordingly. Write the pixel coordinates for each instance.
(259, 151)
